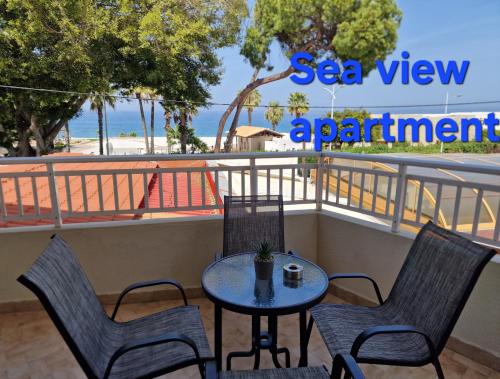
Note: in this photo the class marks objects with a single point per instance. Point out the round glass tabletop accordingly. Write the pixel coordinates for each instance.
(231, 283)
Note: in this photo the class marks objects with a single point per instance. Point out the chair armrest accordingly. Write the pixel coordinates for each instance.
(389, 329)
(149, 283)
(358, 275)
(347, 363)
(152, 341)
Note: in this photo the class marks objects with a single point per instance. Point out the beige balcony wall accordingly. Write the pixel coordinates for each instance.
(116, 256)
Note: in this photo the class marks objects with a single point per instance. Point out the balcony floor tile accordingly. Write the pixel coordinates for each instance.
(30, 347)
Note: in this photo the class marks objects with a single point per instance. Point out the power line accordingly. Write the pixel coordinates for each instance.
(129, 98)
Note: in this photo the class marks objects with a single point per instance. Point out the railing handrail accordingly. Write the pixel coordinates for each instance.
(252, 177)
(409, 161)
(419, 162)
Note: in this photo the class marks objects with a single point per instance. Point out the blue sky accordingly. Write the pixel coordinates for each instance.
(430, 29)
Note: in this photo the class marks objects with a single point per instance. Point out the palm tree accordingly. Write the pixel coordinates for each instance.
(274, 113)
(183, 117)
(97, 103)
(252, 101)
(168, 116)
(141, 94)
(152, 97)
(298, 105)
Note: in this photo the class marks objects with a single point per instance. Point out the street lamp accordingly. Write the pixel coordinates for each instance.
(332, 93)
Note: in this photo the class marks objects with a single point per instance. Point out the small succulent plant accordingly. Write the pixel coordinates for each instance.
(264, 252)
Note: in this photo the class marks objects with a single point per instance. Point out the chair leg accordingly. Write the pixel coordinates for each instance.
(439, 370)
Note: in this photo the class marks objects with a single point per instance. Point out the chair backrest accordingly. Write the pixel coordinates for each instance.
(61, 285)
(249, 220)
(436, 280)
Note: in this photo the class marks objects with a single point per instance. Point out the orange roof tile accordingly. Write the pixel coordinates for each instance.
(211, 197)
(75, 190)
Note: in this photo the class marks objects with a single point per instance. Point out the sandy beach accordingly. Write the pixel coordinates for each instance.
(136, 145)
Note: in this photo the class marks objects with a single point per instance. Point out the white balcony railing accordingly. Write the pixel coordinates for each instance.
(402, 191)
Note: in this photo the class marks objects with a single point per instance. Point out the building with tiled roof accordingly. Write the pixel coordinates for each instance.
(37, 208)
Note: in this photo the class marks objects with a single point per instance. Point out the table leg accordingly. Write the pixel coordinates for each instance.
(256, 340)
(255, 350)
(218, 336)
(273, 346)
(303, 338)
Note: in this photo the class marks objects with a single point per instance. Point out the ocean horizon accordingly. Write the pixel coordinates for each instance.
(206, 122)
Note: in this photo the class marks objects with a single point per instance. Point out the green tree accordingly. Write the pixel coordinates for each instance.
(182, 65)
(364, 30)
(298, 105)
(252, 101)
(97, 104)
(196, 144)
(359, 115)
(57, 45)
(85, 46)
(274, 113)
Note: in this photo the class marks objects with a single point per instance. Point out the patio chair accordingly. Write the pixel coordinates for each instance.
(278, 373)
(412, 326)
(142, 348)
(249, 220)
(342, 363)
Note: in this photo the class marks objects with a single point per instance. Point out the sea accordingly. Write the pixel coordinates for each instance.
(126, 120)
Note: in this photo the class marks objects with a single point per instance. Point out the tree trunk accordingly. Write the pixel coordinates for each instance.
(24, 148)
(43, 145)
(152, 127)
(143, 121)
(228, 145)
(101, 129)
(68, 137)
(239, 100)
(249, 117)
(183, 131)
(167, 128)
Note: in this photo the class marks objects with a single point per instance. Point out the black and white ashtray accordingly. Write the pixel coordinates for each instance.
(292, 271)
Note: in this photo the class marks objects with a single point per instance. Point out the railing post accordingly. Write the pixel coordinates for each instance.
(54, 196)
(319, 182)
(399, 198)
(254, 186)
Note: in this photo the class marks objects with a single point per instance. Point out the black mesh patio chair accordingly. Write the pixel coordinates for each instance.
(278, 373)
(412, 326)
(249, 220)
(142, 348)
(343, 363)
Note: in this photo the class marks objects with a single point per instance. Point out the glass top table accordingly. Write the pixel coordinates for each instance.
(230, 283)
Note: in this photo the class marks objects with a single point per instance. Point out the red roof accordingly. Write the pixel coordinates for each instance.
(76, 192)
(211, 197)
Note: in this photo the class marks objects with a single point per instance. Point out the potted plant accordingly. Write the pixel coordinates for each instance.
(264, 261)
